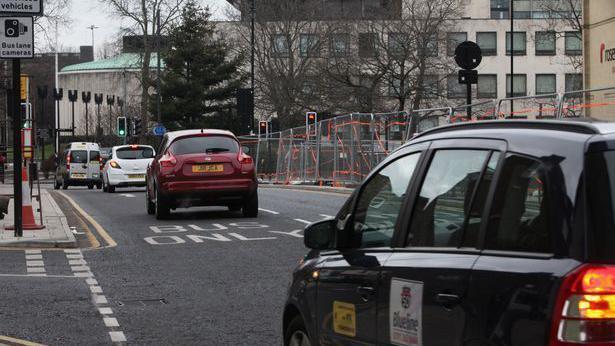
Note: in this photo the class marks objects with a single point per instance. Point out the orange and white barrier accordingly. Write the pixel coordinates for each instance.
(27, 212)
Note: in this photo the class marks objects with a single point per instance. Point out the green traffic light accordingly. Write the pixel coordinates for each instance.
(121, 132)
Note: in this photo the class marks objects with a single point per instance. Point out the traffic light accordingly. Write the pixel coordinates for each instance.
(121, 126)
(263, 127)
(137, 127)
(311, 117)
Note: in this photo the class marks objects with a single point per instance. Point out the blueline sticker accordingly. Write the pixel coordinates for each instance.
(405, 308)
(344, 319)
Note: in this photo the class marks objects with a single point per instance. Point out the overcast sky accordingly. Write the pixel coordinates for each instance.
(85, 13)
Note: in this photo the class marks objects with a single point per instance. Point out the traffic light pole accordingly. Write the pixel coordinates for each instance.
(17, 160)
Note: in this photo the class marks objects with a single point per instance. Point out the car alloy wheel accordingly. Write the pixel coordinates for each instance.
(299, 338)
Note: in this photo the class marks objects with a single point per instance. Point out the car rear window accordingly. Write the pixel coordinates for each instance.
(79, 156)
(136, 153)
(205, 144)
(600, 184)
(94, 156)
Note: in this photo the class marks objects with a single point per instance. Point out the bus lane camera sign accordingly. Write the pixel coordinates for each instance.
(16, 38)
(405, 318)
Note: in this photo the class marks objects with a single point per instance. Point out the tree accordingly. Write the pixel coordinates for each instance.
(200, 78)
(56, 14)
(565, 17)
(142, 16)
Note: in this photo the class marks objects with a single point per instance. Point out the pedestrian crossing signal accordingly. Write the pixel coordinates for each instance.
(121, 126)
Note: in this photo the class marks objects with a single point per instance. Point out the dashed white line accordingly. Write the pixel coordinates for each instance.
(74, 256)
(269, 211)
(91, 281)
(96, 289)
(35, 263)
(84, 274)
(77, 262)
(36, 269)
(33, 252)
(34, 257)
(99, 299)
(105, 311)
(303, 221)
(111, 322)
(117, 336)
(72, 251)
(129, 195)
(80, 268)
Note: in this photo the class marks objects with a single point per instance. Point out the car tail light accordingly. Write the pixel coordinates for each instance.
(585, 308)
(167, 163)
(68, 162)
(100, 161)
(246, 162)
(114, 164)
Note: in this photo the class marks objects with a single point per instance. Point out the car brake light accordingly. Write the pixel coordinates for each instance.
(167, 163)
(114, 164)
(585, 308)
(100, 161)
(68, 163)
(245, 159)
(134, 146)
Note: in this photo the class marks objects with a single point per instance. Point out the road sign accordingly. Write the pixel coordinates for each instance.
(468, 55)
(25, 7)
(159, 130)
(16, 38)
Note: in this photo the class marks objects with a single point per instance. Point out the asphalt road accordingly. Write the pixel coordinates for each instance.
(207, 276)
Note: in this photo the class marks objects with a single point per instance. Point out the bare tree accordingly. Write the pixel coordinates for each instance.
(142, 15)
(564, 17)
(56, 15)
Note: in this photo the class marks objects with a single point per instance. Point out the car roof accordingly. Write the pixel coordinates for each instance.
(182, 133)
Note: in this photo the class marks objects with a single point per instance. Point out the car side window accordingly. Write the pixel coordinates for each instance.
(380, 201)
(445, 198)
(518, 218)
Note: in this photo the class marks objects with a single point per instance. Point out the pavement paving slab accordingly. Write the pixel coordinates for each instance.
(56, 234)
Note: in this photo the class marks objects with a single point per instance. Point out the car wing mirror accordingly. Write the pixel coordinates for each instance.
(320, 235)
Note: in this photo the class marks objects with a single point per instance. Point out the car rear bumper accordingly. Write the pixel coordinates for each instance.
(125, 179)
(212, 192)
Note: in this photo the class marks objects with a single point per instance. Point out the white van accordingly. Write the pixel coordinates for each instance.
(79, 165)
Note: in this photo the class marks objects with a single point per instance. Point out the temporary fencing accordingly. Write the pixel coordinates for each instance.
(341, 151)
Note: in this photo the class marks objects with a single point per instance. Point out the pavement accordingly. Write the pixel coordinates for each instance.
(206, 276)
(56, 234)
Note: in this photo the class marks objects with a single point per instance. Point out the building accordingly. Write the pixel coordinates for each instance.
(547, 49)
(599, 43)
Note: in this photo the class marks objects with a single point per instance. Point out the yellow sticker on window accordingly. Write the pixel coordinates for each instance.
(344, 319)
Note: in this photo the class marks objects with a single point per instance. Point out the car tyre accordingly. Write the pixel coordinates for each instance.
(149, 205)
(162, 209)
(64, 185)
(90, 186)
(110, 188)
(56, 184)
(234, 207)
(250, 206)
(99, 186)
(296, 334)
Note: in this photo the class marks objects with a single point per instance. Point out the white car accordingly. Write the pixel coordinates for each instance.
(127, 166)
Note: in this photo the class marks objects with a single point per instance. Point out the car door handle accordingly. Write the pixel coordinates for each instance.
(366, 292)
(448, 300)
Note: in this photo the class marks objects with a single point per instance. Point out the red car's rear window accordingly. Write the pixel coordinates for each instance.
(205, 145)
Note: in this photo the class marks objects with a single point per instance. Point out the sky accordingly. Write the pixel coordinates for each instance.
(85, 13)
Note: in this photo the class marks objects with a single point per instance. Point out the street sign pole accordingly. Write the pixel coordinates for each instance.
(17, 161)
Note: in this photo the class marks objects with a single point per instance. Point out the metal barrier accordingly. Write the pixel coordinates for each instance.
(344, 149)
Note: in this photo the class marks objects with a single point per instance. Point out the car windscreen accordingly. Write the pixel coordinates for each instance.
(134, 153)
(205, 144)
(600, 183)
(78, 156)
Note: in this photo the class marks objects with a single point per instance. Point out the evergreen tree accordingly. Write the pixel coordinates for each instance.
(200, 78)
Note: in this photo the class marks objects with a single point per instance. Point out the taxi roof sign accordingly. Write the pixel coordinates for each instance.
(23, 7)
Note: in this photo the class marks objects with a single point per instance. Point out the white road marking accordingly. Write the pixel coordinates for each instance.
(74, 256)
(80, 268)
(269, 211)
(99, 299)
(73, 251)
(111, 322)
(36, 269)
(96, 289)
(30, 275)
(303, 221)
(294, 233)
(34, 257)
(240, 237)
(84, 274)
(105, 311)
(129, 195)
(214, 236)
(37, 275)
(174, 240)
(117, 336)
(77, 262)
(33, 252)
(91, 281)
(35, 263)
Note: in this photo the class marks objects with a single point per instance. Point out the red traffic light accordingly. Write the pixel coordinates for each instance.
(311, 116)
(263, 124)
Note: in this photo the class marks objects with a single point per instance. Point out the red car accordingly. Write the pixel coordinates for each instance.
(201, 168)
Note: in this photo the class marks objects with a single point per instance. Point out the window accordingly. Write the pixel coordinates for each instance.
(431, 86)
(453, 39)
(204, 144)
(518, 217)
(308, 87)
(545, 42)
(519, 43)
(281, 47)
(367, 45)
(430, 46)
(79, 156)
(488, 42)
(545, 84)
(573, 43)
(445, 197)
(500, 9)
(574, 82)
(340, 44)
(380, 202)
(519, 85)
(455, 90)
(487, 87)
(135, 153)
(308, 45)
(397, 44)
